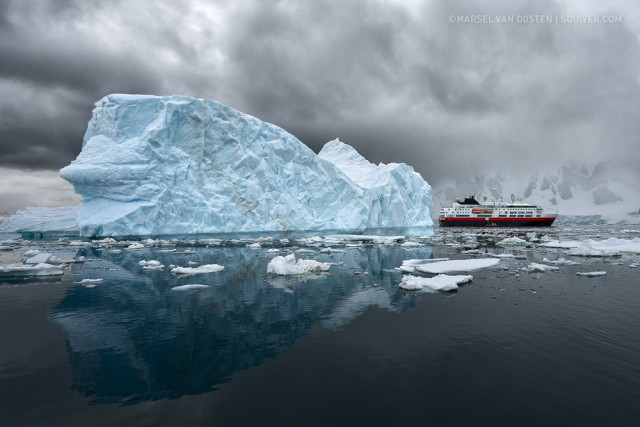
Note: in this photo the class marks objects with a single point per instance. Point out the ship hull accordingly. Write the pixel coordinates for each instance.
(496, 222)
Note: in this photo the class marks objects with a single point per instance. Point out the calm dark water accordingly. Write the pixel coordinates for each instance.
(345, 348)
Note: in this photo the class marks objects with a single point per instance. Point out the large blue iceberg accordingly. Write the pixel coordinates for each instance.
(153, 165)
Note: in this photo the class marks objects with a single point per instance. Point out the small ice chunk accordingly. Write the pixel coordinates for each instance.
(441, 282)
(502, 255)
(189, 287)
(135, 245)
(560, 245)
(305, 251)
(151, 265)
(512, 241)
(273, 250)
(534, 267)
(457, 265)
(89, 281)
(592, 273)
(254, 246)
(207, 268)
(287, 265)
(31, 252)
(560, 261)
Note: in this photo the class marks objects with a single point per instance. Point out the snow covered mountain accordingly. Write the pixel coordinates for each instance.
(579, 193)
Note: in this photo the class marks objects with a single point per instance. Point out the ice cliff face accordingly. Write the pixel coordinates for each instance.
(154, 165)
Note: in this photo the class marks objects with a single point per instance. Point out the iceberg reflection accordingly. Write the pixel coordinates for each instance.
(130, 338)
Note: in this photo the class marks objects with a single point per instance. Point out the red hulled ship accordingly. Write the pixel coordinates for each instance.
(468, 212)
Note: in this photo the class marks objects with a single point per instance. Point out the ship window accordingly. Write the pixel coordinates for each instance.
(528, 215)
(461, 215)
(501, 215)
(520, 216)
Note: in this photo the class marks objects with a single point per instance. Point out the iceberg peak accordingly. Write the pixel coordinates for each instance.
(158, 165)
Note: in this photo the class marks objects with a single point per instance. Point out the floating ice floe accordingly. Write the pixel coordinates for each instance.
(534, 267)
(560, 245)
(42, 269)
(560, 261)
(512, 241)
(472, 252)
(151, 265)
(89, 281)
(287, 266)
(189, 287)
(441, 282)
(207, 268)
(409, 265)
(254, 246)
(457, 265)
(502, 255)
(364, 238)
(135, 246)
(31, 252)
(598, 248)
(592, 273)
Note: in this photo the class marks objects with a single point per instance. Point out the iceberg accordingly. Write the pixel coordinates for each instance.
(153, 165)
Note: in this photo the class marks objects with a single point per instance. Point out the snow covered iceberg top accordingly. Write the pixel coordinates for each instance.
(154, 165)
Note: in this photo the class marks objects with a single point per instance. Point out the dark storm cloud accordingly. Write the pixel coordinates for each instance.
(394, 79)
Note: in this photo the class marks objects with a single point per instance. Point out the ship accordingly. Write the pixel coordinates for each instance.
(468, 212)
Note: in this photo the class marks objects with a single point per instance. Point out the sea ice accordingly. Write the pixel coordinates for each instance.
(512, 241)
(560, 245)
(457, 265)
(39, 258)
(560, 261)
(441, 282)
(535, 267)
(188, 287)
(207, 268)
(151, 265)
(592, 273)
(42, 269)
(154, 165)
(287, 265)
(89, 281)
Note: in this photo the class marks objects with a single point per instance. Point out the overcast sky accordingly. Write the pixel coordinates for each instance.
(395, 79)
